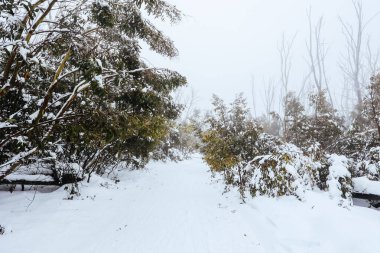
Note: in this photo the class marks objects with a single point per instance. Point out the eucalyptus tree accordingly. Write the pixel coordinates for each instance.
(74, 89)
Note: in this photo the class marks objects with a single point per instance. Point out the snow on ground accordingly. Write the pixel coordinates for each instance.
(364, 185)
(174, 208)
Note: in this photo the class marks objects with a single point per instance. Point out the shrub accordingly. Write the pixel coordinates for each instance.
(285, 172)
(370, 166)
(228, 140)
(339, 180)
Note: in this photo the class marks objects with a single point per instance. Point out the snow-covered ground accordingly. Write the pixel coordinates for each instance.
(364, 185)
(177, 208)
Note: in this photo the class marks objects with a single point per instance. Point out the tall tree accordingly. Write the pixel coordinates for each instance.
(353, 65)
(322, 126)
(73, 87)
(317, 53)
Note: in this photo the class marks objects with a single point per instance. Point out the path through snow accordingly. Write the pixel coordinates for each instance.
(176, 208)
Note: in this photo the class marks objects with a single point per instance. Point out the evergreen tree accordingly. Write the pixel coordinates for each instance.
(296, 120)
(364, 132)
(371, 112)
(271, 124)
(362, 140)
(74, 89)
(323, 126)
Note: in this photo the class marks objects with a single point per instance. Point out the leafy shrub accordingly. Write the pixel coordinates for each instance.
(285, 172)
(370, 166)
(267, 144)
(228, 140)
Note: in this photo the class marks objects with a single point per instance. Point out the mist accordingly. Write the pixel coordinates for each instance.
(225, 48)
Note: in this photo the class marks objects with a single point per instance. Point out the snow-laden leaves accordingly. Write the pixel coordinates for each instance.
(72, 83)
(284, 172)
(339, 180)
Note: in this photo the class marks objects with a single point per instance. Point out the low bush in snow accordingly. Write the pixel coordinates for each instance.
(285, 172)
(288, 171)
(370, 167)
(261, 164)
(339, 180)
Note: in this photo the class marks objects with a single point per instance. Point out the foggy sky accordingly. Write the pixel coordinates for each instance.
(224, 44)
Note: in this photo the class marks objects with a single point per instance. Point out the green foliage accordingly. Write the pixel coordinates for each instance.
(322, 126)
(362, 138)
(287, 171)
(102, 15)
(229, 140)
(80, 93)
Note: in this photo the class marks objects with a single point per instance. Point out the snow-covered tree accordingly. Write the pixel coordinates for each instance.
(296, 119)
(325, 125)
(322, 126)
(73, 87)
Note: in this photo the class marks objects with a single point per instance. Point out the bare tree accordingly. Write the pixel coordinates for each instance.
(372, 59)
(269, 96)
(254, 111)
(353, 63)
(285, 51)
(187, 100)
(317, 53)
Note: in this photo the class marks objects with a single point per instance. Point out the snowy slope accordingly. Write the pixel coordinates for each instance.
(176, 208)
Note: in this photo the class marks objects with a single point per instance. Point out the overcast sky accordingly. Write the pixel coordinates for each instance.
(223, 44)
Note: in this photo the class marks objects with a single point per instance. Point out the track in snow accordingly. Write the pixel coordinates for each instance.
(176, 208)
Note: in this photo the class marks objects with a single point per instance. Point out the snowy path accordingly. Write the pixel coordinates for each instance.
(175, 208)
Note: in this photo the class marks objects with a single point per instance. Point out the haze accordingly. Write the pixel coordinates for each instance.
(224, 45)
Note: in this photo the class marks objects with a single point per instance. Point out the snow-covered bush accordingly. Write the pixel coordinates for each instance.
(285, 172)
(339, 181)
(267, 144)
(370, 167)
(289, 171)
(323, 126)
(228, 141)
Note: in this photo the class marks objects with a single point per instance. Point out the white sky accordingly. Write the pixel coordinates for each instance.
(222, 44)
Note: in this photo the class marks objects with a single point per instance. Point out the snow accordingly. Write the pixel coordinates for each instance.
(338, 171)
(364, 185)
(178, 207)
(339, 166)
(24, 52)
(40, 178)
(21, 155)
(372, 169)
(6, 125)
(33, 116)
